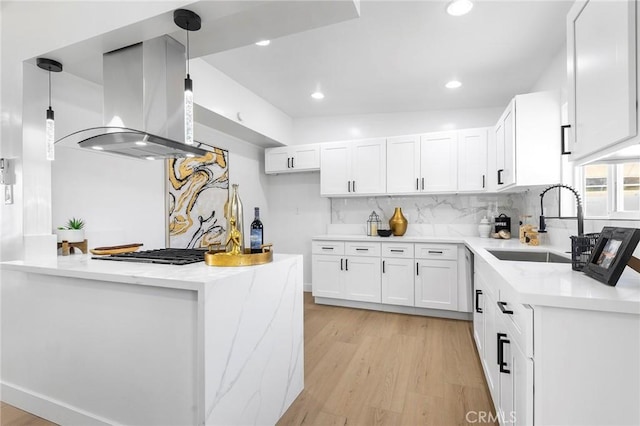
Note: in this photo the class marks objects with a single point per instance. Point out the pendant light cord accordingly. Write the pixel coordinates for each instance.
(49, 89)
(187, 48)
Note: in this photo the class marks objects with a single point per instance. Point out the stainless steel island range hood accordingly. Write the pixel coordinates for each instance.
(143, 103)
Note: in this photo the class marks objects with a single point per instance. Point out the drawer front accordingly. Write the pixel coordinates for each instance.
(397, 250)
(518, 320)
(352, 248)
(327, 247)
(436, 251)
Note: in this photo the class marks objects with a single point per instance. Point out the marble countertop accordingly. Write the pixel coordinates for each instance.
(535, 283)
(191, 276)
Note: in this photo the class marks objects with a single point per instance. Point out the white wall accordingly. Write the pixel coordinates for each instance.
(344, 127)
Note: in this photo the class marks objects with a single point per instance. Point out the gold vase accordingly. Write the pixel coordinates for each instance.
(398, 223)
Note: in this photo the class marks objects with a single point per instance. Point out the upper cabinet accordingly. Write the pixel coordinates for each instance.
(602, 71)
(527, 138)
(353, 168)
(453, 161)
(287, 159)
(472, 160)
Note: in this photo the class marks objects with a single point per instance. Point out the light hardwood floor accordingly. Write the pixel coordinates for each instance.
(374, 368)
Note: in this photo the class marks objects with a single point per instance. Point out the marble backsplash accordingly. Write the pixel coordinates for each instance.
(450, 214)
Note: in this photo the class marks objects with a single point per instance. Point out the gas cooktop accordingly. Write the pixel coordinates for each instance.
(169, 256)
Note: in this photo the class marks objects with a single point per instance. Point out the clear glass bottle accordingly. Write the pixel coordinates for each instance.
(234, 209)
(257, 235)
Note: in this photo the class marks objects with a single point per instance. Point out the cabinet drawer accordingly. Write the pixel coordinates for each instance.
(327, 247)
(518, 320)
(397, 250)
(436, 251)
(362, 249)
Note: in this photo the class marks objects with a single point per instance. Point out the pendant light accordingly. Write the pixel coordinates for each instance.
(189, 21)
(51, 66)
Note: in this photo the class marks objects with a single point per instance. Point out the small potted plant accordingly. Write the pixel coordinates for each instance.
(73, 232)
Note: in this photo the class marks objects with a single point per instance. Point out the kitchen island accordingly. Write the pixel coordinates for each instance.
(89, 341)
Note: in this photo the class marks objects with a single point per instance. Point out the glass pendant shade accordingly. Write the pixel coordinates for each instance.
(188, 111)
(50, 135)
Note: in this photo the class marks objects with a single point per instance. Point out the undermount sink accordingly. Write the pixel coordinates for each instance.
(529, 256)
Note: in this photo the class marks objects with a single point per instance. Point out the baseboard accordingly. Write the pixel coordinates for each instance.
(439, 313)
(47, 408)
(307, 288)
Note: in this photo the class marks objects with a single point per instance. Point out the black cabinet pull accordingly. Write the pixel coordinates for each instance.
(354, 186)
(288, 166)
(478, 308)
(349, 185)
(500, 182)
(292, 165)
(563, 134)
(435, 251)
(423, 184)
(501, 341)
(362, 249)
(417, 184)
(417, 268)
(327, 248)
(346, 264)
(383, 267)
(483, 181)
(397, 251)
(341, 267)
(502, 305)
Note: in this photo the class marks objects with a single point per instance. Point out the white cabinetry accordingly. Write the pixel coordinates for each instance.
(351, 271)
(397, 274)
(504, 337)
(353, 168)
(436, 283)
(472, 160)
(602, 71)
(439, 162)
(528, 141)
(403, 164)
(287, 159)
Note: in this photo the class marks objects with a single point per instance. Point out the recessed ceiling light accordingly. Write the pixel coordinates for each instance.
(317, 95)
(97, 148)
(141, 143)
(263, 43)
(453, 84)
(459, 7)
(149, 158)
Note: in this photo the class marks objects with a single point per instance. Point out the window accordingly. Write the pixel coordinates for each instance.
(612, 190)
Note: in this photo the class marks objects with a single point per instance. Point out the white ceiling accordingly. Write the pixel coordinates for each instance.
(398, 55)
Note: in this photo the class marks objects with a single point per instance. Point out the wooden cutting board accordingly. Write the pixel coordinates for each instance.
(125, 248)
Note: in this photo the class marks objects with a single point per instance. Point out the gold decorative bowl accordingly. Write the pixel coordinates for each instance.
(222, 258)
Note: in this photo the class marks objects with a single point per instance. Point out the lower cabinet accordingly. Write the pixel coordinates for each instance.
(403, 274)
(352, 272)
(503, 333)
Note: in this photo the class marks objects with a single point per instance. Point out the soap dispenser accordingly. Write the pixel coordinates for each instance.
(484, 228)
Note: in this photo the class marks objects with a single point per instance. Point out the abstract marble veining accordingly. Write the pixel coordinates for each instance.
(429, 211)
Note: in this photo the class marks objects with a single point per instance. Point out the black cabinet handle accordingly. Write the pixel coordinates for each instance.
(327, 248)
(500, 182)
(483, 181)
(501, 341)
(423, 184)
(417, 184)
(383, 267)
(563, 134)
(435, 251)
(292, 165)
(346, 264)
(397, 251)
(341, 267)
(502, 305)
(362, 249)
(478, 308)
(354, 186)
(417, 268)
(349, 185)
(288, 166)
